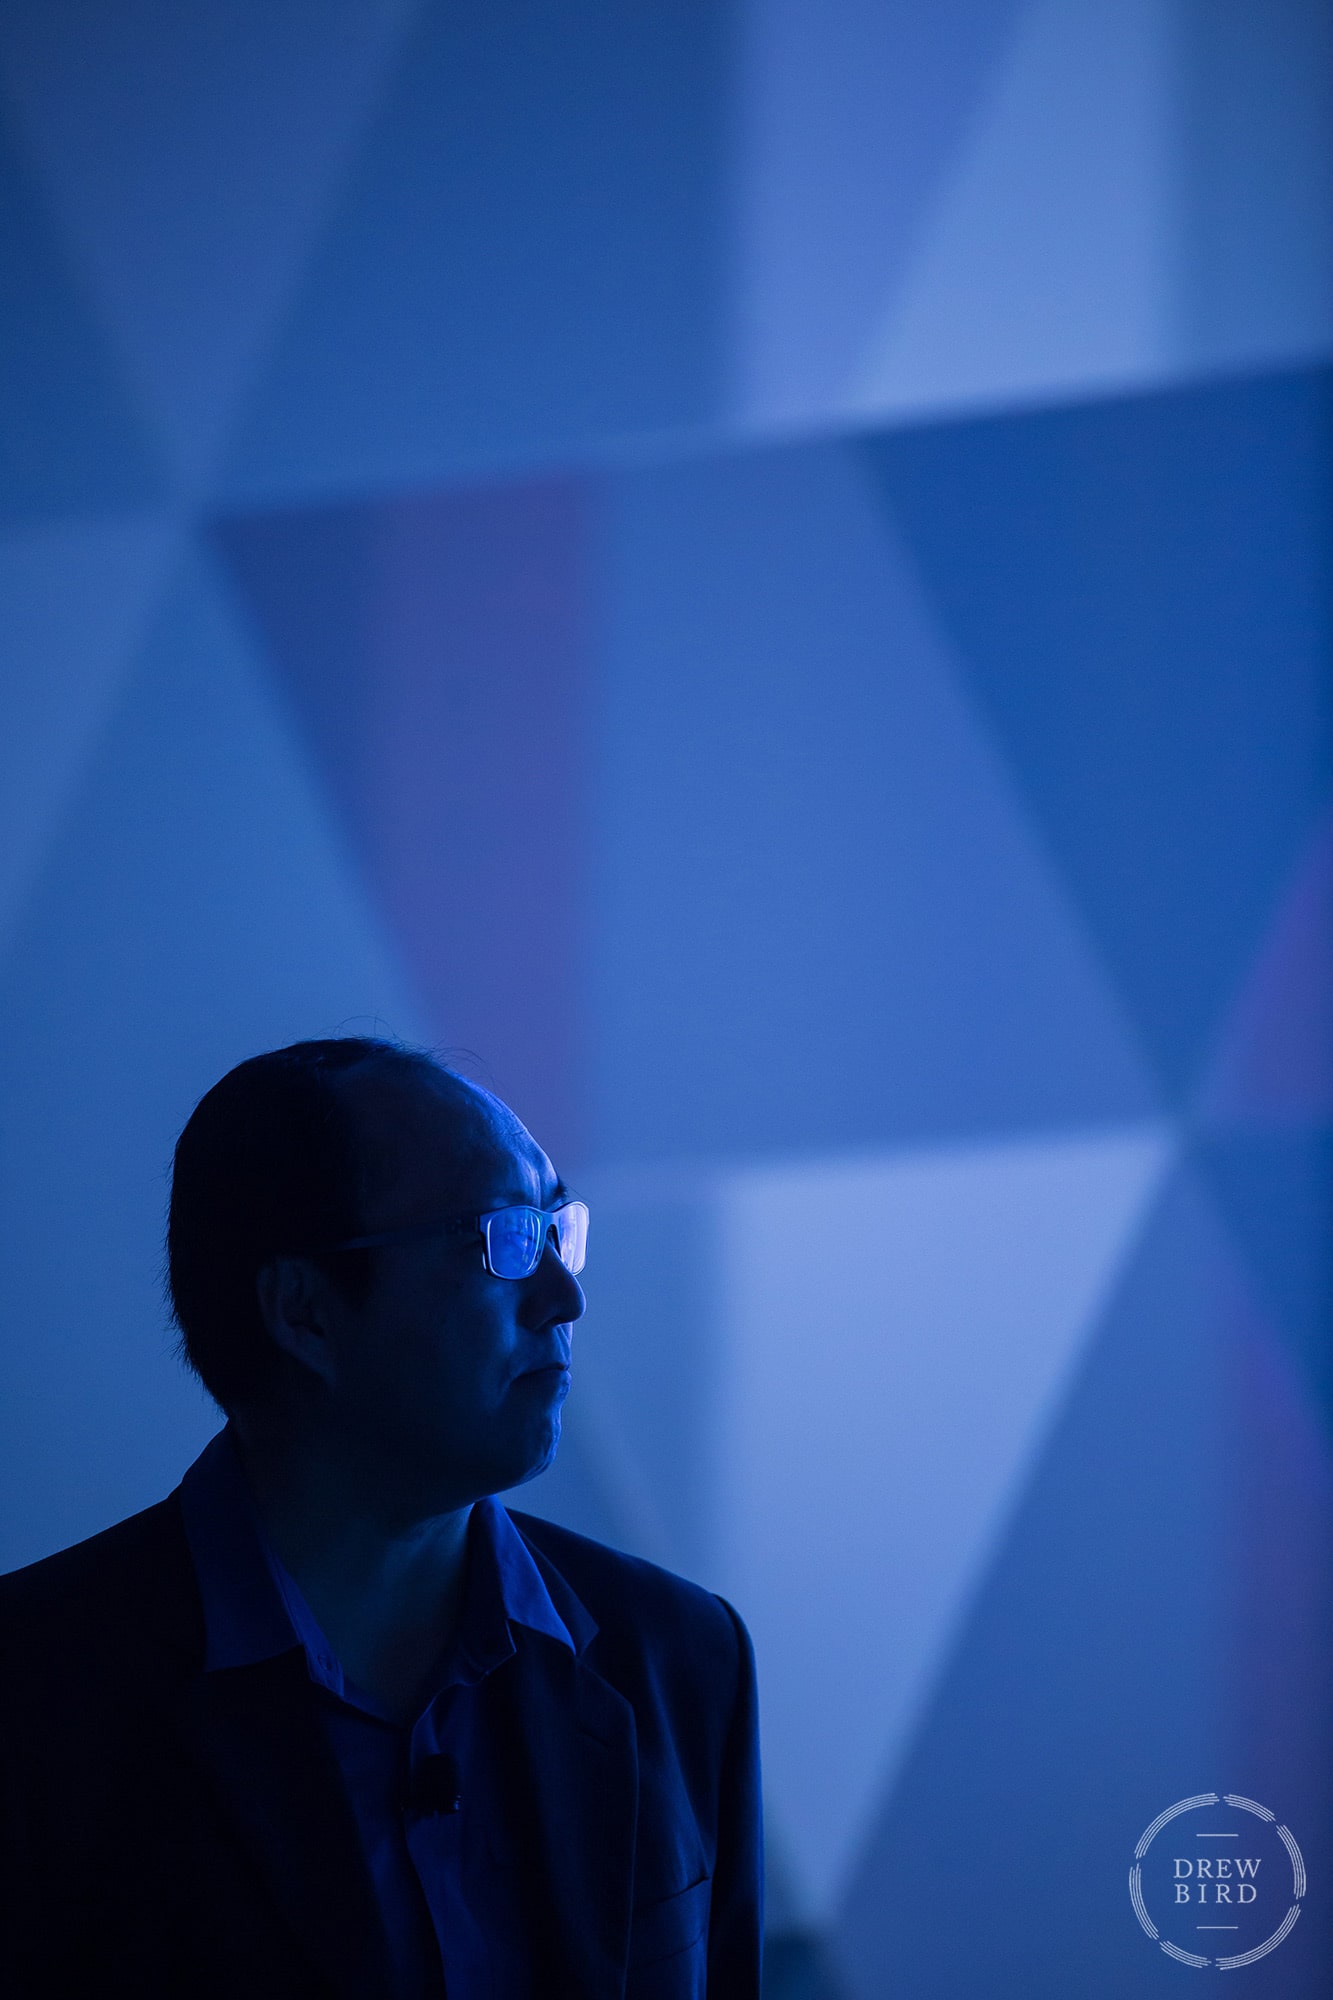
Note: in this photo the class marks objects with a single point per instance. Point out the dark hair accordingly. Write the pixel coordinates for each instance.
(268, 1163)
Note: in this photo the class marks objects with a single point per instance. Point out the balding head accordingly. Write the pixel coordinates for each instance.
(295, 1150)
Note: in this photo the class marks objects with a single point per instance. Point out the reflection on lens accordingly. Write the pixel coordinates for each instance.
(571, 1225)
(514, 1238)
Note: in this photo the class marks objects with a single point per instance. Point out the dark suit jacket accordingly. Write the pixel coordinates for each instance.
(166, 1833)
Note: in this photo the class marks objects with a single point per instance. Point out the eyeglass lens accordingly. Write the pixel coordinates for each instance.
(515, 1238)
(571, 1234)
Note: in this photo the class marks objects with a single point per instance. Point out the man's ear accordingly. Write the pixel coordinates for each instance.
(293, 1302)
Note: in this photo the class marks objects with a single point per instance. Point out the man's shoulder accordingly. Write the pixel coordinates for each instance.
(626, 1594)
(130, 1585)
(112, 1553)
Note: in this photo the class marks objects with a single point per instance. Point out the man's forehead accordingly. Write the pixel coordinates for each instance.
(423, 1126)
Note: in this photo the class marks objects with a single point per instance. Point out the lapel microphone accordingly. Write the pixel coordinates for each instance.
(433, 1786)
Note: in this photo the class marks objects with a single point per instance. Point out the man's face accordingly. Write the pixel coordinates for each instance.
(447, 1382)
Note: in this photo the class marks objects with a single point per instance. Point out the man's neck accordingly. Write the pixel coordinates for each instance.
(386, 1589)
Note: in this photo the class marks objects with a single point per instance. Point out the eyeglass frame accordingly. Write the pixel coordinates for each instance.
(383, 1239)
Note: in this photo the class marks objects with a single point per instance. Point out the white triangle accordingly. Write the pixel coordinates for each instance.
(74, 604)
(900, 1332)
(1046, 266)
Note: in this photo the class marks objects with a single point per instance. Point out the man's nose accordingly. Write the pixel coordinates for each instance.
(561, 1295)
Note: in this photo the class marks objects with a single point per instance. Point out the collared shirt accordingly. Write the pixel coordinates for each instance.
(450, 1896)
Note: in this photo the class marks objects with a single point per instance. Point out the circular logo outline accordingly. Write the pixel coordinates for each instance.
(1298, 1880)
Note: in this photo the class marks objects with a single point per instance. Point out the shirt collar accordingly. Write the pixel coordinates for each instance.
(254, 1610)
(498, 1552)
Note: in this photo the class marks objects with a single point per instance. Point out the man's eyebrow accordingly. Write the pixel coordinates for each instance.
(517, 1198)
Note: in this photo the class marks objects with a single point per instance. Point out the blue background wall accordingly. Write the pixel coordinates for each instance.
(765, 569)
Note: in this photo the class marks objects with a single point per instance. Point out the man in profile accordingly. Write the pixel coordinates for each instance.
(328, 1720)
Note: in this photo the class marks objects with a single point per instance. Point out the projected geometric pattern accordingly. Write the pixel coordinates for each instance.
(464, 568)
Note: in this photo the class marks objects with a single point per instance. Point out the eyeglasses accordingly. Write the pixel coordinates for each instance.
(514, 1238)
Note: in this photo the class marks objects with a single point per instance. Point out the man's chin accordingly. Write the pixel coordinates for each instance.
(544, 1458)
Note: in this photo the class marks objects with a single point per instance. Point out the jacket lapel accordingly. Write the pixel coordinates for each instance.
(255, 1734)
(576, 1742)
